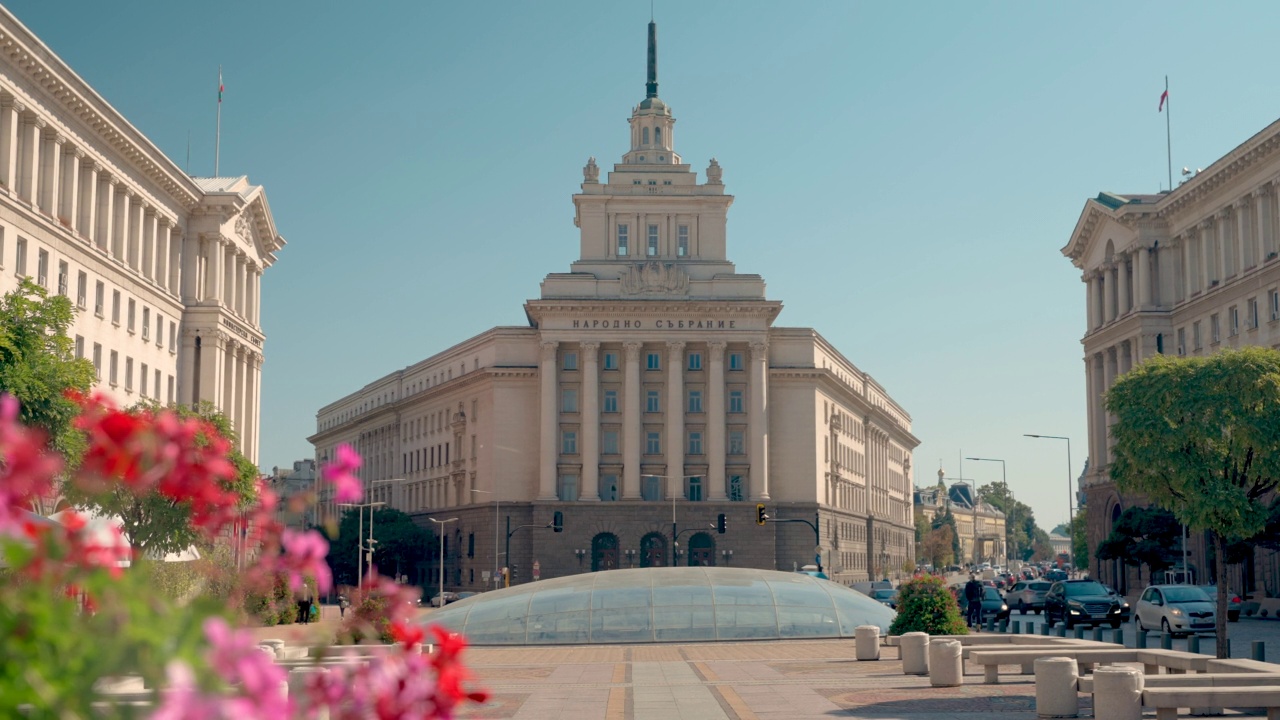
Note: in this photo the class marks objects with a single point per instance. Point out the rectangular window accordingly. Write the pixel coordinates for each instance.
(115, 307)
(695, 443)
(695, 489)
(1195, 335)
(736, 404)
(146, 323)
(569, 400)
(170, 393)
(737, 442)
(159, 330)
(653, 443)
(622, 241)
(1233, 320)
(99, 298)
(610, 401)
(1215, 329)
(651, 249)
(20, 262)
(682, 241)
(173, 337)
(651, 402)
(609, 442)
(142, 380)
(79, 347)
(82, 290)
(42, 268)
(64, 277)
(735, 488)
(132, 308)
(1275, 304)
(569, 442)
(653, 361)
(112, 375)
(695, 401)
(128, 374)
(1182, 341)
(609, 488)
(1253, 313)
(735, 361)
(611, 361)
(567, 488)
(97, 361)
(1, 247)
(695, 361)
(650, 488)
(570, 361)
(157, 385)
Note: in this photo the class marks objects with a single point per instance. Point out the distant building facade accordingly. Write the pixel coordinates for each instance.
(1186, 272)
(298, 481)
(650, 385)
(980, 525)
(163, 268)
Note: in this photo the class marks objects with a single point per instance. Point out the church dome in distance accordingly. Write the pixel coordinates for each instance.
(680, 604)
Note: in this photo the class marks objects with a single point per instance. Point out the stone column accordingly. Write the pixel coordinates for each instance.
(1108, 293)
(71, 185)
(148, 235)
(122, 238)
(209, 248)
(1091, 301)
(1099, 417)
(758, 417)
(1264, 203)
(1143, 271)
(715, 420)
(255, 404)
(1246, 234)
(675, 420)
(590, 353)
(51, 173)
(242, 398)
(228, 279)
(549, 423)
(1123, 306)
(190, 260)
(89, 205)
(255, 290)
(235, 283)
(212, 351)
(10, 150)
(227, 401)
(631, 410)
(187, 370)
(1111, 364)
(1220, 240)
(162, 252)
(30, 173)
(107, 216)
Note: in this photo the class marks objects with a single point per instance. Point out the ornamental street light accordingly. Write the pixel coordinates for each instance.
(360, 536)
(496, 504)
(1004, 480)
(442, 523)
(1071, 518)
(675, 536)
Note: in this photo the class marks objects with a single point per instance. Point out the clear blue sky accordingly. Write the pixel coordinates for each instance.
(905, 173)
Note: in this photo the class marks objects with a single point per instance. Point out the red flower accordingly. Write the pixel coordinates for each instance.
(408, 635)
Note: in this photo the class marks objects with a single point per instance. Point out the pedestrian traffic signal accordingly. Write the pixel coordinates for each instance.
(515, 571)
(722, 524)
(761, 517)
(557, 522)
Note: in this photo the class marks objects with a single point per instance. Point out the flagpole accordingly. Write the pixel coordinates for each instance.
(1168, 133)
(218, 136)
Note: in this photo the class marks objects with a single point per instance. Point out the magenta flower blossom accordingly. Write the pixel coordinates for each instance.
(304, 555)
(341, 473)
(235, 656)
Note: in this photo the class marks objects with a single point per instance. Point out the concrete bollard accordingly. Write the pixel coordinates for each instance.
(1259, 651)
(1004, 625)
(1017, 627)
(1056, 695)
(1046, 629)
(1193, 644)
(945, 668)
(1142, 639)
(991, 624)
(1166, 641)
(1117, 693)
(296, 685)
(1079, 635)
(1097, 634)
(1117, 636)
(867, 640)
(1062, 629)
(914, 648)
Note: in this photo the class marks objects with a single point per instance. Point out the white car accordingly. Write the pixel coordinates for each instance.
(1175, 609)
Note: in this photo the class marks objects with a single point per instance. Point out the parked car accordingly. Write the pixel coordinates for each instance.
(886, 596)
(465, 595)
(1028, 596)
(1175, 609)
(1056, 575)
(1233, 602)
(448, 596)
(1081, 602)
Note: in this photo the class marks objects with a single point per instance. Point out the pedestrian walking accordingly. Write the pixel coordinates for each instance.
(973, 601)
(343, 602)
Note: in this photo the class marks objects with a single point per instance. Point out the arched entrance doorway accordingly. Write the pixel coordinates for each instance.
(702, 550)
(653, 550)
(604, 552)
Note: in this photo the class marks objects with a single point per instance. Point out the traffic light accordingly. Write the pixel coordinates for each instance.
(515, 571)
(722, 524)
(557, 522)
(761, 517)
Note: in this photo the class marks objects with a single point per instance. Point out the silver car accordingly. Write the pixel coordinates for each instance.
(1175, 609)
(1234, 603)
(1027, 596)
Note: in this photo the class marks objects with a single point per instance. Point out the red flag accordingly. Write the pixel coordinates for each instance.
(1163, 96)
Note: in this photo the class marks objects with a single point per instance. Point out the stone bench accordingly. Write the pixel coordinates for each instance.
(1047, 650)
(1085, 684)
(993, 639)
(1086, 656)
(1240, 665)
(1167, 700)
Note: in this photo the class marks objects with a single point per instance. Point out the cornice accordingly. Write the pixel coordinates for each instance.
(602, 307)
(859, 402)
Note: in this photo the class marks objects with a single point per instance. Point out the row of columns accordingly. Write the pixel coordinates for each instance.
(54, 177)
(1102, 367)
(228, 373)
(589, 450)
(1111, 293)
(230, 277)
(1236, 238)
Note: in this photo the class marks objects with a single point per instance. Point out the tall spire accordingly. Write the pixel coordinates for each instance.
(651, 87)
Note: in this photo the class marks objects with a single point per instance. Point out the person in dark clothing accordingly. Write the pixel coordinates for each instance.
(973, 601)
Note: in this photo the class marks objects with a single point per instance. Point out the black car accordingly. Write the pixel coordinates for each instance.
(993, 605)
(1082, 602)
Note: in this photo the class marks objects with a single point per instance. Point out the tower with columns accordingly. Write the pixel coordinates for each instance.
(650, 386)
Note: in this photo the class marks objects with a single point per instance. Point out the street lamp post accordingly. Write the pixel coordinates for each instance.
(675, 560)
(1071, 518)
(1004, 480)
(360, 536)
(496, 505)
(442, 523)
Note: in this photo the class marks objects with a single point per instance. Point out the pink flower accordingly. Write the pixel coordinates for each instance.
(304, 555)
(27, 471)
(236, 658)
(341, 472)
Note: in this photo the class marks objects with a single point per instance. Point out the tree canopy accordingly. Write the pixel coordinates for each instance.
(1201, 437)
(1143, 536)
(400, 545)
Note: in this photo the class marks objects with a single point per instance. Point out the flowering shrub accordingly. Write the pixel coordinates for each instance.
(72, 613)
(925, 605)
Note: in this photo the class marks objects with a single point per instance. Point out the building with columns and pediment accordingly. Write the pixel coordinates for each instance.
(1187, 272)
(650, 386)
(164, 269)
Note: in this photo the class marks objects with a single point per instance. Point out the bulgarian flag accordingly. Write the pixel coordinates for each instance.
(1163, 97)
(220, 87)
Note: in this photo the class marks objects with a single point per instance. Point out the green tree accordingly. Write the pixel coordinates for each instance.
(936, 548)
(400, 545)
(1080, 539)
(38, 364)
(1017, 517)
(1201, 437)
(926, 605)
(922, 526)
(1143, 536)
(156, 524)
(945, 518)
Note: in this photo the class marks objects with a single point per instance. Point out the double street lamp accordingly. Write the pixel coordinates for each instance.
(1004, 480)
(361, 541)
(442, 523)
(1071, 519)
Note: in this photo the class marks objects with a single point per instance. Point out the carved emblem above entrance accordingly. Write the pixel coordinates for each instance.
(655, 278)
(243, 229)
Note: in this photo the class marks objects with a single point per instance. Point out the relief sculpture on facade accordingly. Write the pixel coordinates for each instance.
(655, 278)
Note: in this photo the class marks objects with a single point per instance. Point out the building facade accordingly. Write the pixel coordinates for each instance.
(1186, 272)
(980, 526)
(164, 269)
(650, 388)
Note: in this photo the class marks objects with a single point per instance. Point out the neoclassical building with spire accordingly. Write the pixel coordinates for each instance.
(650, 389)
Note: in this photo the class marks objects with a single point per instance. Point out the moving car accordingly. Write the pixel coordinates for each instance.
(886, 596)
(1081, 602)
(1175, 609)
(993, 605)
(449, 596)
(1125, 610)
(1028, 596)
(1233, 602)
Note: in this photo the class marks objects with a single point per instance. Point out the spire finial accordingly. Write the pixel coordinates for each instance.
(651, 87)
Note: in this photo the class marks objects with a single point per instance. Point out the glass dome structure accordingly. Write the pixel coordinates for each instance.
(667, 604)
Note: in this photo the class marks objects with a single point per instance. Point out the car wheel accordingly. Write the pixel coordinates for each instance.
(1038, 610)
(1115, 624)
(1164, 626)
(1067, 619)
(1233, 617)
